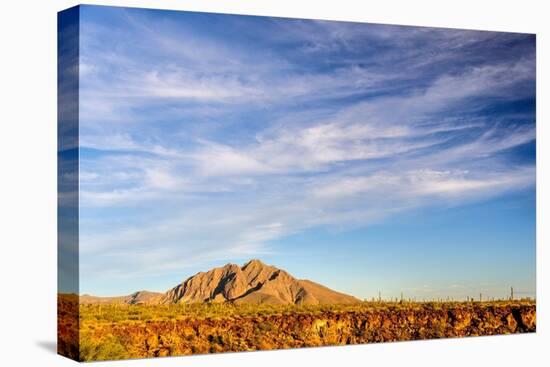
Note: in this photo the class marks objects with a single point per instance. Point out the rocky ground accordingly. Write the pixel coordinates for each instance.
(102, 338)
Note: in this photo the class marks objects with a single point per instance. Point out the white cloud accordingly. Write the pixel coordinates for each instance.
(162, 179)
(217, 159)
(421, 183)
(331, 148)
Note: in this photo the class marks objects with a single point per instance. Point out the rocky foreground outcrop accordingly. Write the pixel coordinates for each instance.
(352, 325)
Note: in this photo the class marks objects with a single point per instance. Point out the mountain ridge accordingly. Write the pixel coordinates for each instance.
(253, 282)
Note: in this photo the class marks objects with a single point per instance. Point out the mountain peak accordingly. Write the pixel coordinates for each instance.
(253, 262)
(254, 282)
(230, 266)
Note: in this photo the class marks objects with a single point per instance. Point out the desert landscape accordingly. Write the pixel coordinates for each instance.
(239, 183)
(259, 307)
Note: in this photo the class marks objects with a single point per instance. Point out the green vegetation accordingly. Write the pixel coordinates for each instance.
(144, 312)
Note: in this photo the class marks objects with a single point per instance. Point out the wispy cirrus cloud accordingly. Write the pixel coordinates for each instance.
(213, 146)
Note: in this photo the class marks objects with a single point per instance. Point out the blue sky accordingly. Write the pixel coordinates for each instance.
(364, 157)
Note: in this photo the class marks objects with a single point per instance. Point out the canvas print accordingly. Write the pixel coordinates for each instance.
(240, 183)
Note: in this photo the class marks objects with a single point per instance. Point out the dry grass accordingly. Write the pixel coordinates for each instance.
(135, 331)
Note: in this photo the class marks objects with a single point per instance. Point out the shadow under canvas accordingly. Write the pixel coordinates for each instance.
(48, 345)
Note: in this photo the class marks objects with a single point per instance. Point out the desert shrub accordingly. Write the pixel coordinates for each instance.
(133, 331)
(106, 348)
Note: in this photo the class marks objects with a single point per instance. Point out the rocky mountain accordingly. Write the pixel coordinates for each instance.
(254, 282)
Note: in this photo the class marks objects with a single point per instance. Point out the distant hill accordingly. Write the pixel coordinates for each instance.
(132, 299)
(254, 282)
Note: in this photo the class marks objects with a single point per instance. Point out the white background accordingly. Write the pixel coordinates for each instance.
(28, 181)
